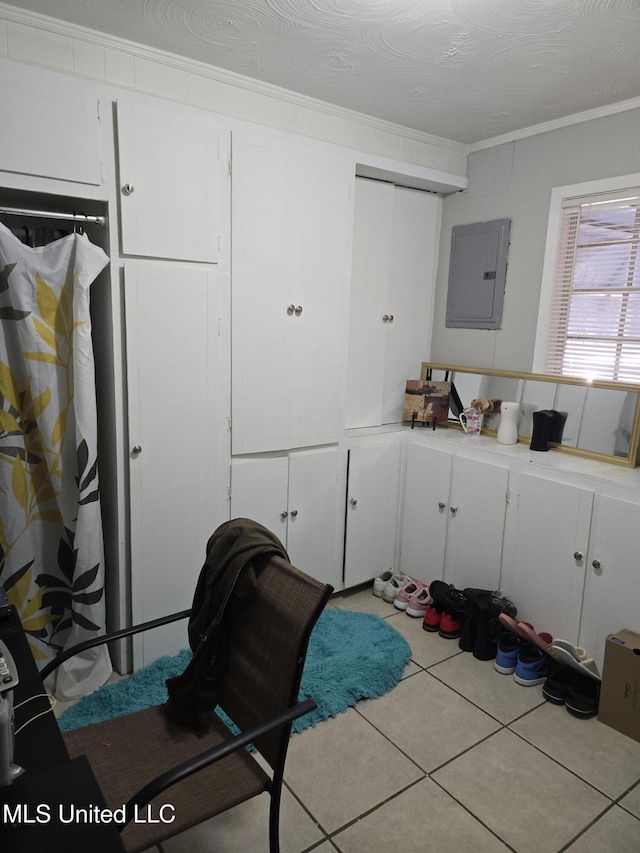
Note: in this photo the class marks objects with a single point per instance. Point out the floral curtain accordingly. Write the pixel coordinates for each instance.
(51, 550)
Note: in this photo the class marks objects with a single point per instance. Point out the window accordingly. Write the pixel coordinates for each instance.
(594, 317)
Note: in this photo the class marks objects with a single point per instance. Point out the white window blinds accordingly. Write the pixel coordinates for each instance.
(595, 312)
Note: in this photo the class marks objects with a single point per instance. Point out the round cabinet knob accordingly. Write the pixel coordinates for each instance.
(293, 513)
(354, 502)
(578, 555)
(291, 310)
(442, 505)
(597, 566)
(127, 189)
(391, 318)
(453, 510)
(298, 310)
(284, 513)
(136, 450)
(385, 318)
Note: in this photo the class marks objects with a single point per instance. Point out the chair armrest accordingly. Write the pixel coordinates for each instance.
(205, 759)
(107, 638)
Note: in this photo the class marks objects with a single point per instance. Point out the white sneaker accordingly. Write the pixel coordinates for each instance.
(380, 582)
(393, 585)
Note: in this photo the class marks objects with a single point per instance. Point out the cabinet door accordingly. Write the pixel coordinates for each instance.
(477, 508)
(612, 588)
(372, 510)
(259, 491)
(547, 525)
(315, 532)
(392, 292)
(173, 169)
(410, 294)
(370, 269)
(300, 498)
(178, 399)
(290, 284)
(426, 510)
(320, 293)
(49, 130)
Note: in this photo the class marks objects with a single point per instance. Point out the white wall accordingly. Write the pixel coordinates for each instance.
(514, 180)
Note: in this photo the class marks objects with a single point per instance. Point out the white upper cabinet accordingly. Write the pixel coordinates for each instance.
(394, 256)
(51, 131)
(173, 183)
(291, 232)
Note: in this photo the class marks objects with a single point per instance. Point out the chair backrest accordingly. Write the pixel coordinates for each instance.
(268, 648)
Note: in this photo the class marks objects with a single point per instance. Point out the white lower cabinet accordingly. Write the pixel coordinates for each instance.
(545, 545)
(299, 497)
(453, 519)
(612, 587)
(372, 509)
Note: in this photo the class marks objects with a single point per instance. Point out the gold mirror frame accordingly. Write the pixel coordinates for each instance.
(574, 389)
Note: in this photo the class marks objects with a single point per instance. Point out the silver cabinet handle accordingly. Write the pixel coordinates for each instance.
(293, 513)
(136, 450)
(127, 189)
(442, 505)
(284, 513)
(596, 564)
(453, 510)
(385, 318)
(291, 309)
(354, 502)
(578, 555)
(297, 310)
(391, 318)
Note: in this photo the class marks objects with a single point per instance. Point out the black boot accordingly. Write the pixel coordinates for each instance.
(557, 427)
(542, 425)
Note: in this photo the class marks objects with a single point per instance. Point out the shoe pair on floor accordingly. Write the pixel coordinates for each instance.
(579, 693)
(403, 592)
(526, 661)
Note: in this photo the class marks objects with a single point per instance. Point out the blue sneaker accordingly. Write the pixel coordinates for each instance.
(532, 667)
(507, 654)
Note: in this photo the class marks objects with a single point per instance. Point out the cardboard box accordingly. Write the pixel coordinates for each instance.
(620, 691)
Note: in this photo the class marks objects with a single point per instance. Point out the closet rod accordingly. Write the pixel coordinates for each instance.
(47, 214)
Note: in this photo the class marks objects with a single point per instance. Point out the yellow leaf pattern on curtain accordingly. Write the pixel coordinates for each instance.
(51, 552)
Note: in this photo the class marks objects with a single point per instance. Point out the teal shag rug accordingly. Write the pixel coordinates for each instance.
(351, 656)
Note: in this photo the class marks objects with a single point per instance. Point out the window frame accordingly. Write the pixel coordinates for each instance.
(559, 197)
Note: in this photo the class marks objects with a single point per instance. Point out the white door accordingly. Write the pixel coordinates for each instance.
(372, 511)
(320, 290)
(547, 528)
(477, 508)
(173, 172)
(178, 400)
(371, 264)
(300, 498)
(263, 324)
(426, 511)
(290, 207)
(316, 513)
(259, 491)
(410, 294)
(612, 587)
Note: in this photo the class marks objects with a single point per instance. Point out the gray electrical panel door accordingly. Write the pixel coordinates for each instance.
(477, 275)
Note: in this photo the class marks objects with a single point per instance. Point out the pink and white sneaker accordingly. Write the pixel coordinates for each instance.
(402, 598)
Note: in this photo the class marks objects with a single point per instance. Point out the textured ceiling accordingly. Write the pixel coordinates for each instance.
(465, 70)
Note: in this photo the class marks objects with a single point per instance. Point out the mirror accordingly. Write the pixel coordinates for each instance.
(603, 419)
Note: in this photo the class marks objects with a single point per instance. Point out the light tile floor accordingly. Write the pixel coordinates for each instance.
(456, 757)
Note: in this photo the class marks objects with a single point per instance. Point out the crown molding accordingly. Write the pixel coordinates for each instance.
(74, 31)
(556, 124)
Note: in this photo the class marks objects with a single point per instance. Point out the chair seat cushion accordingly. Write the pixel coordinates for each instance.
(153, 744)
